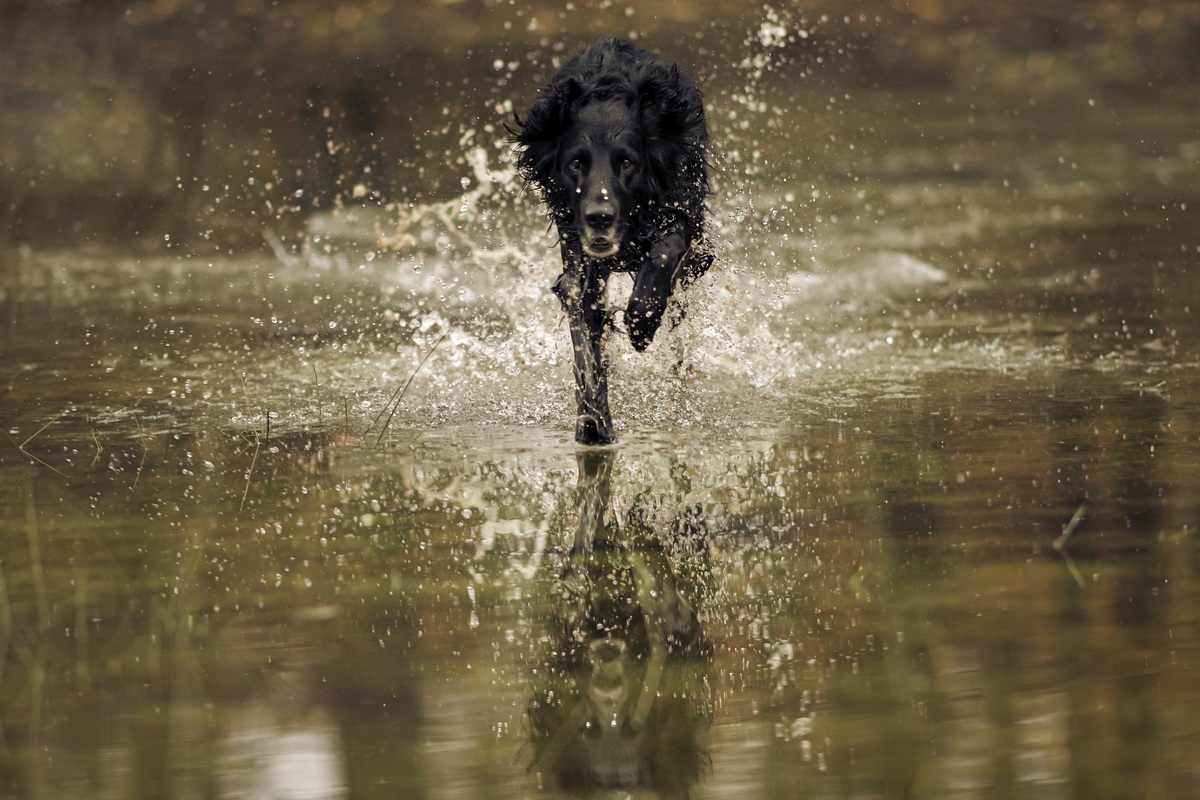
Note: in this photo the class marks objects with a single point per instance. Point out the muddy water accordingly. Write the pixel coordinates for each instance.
(918, 518)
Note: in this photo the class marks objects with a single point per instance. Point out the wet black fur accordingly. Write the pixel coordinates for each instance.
(616, 146)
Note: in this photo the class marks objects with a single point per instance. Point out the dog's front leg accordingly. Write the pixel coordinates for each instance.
(656, 280)
(581, 288)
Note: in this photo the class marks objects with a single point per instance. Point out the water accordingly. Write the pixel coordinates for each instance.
(919, 519)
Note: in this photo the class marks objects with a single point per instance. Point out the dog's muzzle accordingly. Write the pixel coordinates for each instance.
(600, 235)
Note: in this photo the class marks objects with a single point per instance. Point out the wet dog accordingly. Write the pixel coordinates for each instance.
(616, 145)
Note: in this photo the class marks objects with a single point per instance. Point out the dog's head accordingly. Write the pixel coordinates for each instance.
(587, 152)
(615, 141)
(601, 171)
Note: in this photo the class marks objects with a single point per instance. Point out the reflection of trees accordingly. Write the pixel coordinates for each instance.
(623, 696)
(921, 637)
(146, 649)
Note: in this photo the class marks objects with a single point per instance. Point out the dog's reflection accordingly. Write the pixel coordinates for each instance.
(623, 694)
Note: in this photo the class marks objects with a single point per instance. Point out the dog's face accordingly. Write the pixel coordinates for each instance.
(602, 167)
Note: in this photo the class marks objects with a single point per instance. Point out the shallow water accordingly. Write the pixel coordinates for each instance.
(927, 482)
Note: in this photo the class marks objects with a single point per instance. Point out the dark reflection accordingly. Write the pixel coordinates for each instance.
(623, 696)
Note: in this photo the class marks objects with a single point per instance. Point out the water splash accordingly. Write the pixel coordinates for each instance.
(798, 304)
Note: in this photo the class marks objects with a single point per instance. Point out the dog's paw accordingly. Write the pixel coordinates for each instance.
(593, 432)
(642, 318)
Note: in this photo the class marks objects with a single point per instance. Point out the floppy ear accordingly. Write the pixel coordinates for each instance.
(671, 101)
(666, 116)
(537, 137)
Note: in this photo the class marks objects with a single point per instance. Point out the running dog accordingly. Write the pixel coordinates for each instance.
(616, 145)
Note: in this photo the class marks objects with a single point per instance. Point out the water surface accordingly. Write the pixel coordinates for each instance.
(917, 519)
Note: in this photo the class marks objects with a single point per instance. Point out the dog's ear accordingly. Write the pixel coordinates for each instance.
(666, 119)
(671, 114)
(568, 93)
(671, 106)
(537, 138)
(649, 110)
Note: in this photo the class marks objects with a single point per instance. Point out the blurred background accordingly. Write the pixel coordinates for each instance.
(208, 121)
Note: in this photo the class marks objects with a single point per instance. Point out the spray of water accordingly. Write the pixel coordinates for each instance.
(771, 320)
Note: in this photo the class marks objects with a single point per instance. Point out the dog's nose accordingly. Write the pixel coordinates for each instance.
(599, 217)
(599, 220)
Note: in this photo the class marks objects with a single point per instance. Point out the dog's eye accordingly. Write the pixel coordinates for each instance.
(575, 166)
(626, 165)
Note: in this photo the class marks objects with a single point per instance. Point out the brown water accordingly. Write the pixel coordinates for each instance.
(921, 520)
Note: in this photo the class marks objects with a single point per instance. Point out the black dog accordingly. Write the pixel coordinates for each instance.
(616, 144)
